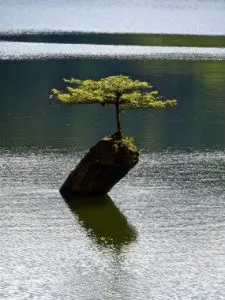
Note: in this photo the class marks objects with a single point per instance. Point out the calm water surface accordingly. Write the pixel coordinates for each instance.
(155, 16)
(160, 233)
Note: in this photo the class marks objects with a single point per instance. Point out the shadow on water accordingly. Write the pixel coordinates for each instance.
(102, 220)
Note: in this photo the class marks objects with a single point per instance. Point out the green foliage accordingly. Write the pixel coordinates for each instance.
(107, 91)
(120, 91)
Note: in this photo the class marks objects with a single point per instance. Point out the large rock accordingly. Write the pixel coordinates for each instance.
(101, 168)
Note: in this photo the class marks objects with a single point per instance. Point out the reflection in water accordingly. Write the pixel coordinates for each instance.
(103, 220)
(100, 38)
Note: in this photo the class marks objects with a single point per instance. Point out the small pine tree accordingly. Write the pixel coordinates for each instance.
(120, 91)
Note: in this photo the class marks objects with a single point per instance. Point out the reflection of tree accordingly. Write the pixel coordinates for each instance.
(103, 220)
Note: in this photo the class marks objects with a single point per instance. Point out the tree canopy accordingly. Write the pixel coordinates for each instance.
(120, 90)
(132, 93)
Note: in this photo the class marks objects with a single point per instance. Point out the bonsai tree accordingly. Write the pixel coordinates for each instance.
(120, 91)
(111, 158)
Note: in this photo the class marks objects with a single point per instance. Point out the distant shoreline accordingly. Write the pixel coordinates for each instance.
(102, 38)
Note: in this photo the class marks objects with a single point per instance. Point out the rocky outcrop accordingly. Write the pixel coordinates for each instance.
(101, 168)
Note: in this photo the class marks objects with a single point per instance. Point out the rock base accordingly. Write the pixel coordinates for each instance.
(101, 168)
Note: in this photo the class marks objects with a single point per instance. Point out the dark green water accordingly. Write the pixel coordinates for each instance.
(160, 233)
(29, 118)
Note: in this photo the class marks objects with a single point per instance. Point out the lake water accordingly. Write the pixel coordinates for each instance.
(146, 16)
(160, 233)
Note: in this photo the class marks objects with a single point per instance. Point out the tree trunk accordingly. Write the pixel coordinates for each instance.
(118, 116)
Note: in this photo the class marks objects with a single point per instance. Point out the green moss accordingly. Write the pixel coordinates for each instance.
(126, 143)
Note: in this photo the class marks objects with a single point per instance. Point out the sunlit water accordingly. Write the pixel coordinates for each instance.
(160, 233)
(193, 17)
(164, 238)
(19, 50)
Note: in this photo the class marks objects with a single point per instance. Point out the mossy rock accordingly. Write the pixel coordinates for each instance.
(119, 151)
(102, 167)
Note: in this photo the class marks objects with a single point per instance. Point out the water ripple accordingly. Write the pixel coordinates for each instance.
(19, 51)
